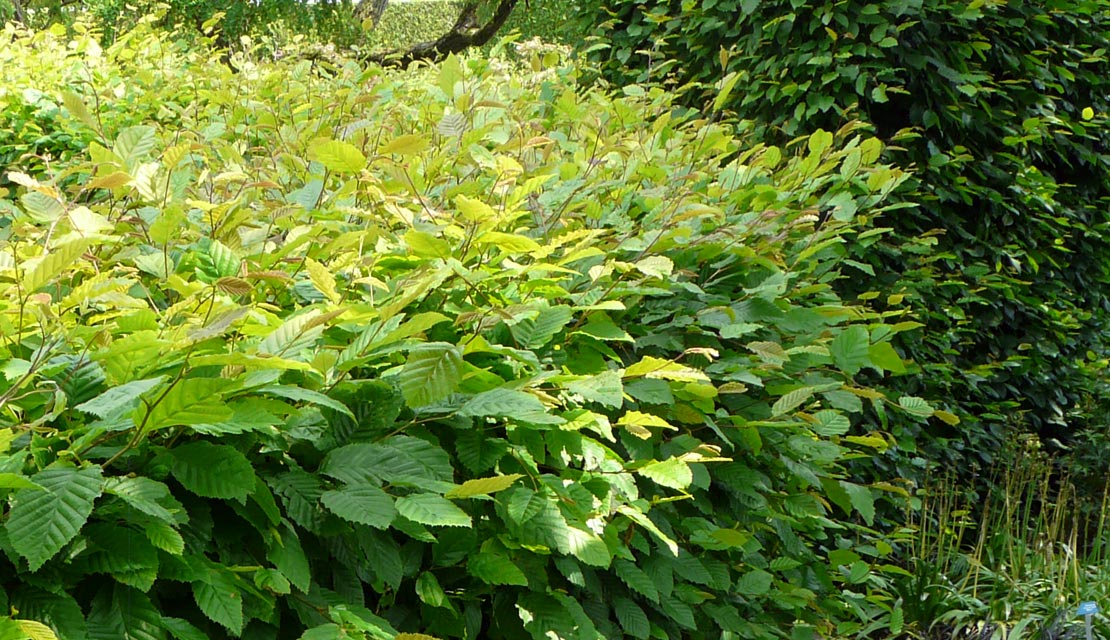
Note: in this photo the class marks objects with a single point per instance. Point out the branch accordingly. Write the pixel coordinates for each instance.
(20, 17)
(461, 37)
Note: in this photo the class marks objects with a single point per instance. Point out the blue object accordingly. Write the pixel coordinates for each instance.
(1087, 609)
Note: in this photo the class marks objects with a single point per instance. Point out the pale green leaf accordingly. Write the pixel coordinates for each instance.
(338, 156)
(673, 473)
(604, 388)
(432, 510)
(588, 547)
(473, 210)
(831, 423)
(431, 373)
(791, 401)
(60, 259)
(323, 279)
(510, 242)
(916, 406)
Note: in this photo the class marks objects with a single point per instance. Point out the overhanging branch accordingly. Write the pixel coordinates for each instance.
(462, 36)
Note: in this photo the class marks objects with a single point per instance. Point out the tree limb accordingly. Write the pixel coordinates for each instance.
(462, 36)
(20, 17)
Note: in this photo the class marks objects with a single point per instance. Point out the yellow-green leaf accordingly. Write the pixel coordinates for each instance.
(483, 486)
(511, 242)
(59, 260)
(322, 279)
(406, 145)
(473, 210)
(338, 156)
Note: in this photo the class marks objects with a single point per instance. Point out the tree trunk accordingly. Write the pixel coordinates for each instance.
(372, 10)
(20, 17)
(462, 36)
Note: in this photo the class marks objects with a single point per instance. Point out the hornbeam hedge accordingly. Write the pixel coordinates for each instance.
(310, 350)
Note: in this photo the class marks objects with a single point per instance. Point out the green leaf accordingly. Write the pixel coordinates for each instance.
(431, 373)
(678, 611)
(754, 583)
(432, 510)
(213, 470)
(397, 460)
(483, 486)
(16, 481)
(60, 259)
(791, 401)
(182, 630)
(850, 349)
(916, 406)
(361, 503)
(41, 522)
(727, 84)
(604, 388)
(885, 357)
(299, 394)
(123, 613)
(289, 558)
(58, 610)
(673, 473)
(631, 618)
(219, 598)
(189, 401)
(479, 452)
(862, 500)
(120, 399)
(329, 631)
(134, 143)
(494, 568)
(831, 423)
(430, 591)
(338, 156)
(504, 403)
(588, 547)
(635, 578)
(534, 333)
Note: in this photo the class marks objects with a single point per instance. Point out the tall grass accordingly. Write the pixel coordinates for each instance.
(1011, 562)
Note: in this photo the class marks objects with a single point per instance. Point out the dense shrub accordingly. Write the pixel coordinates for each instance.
(465, 351)
(1007, 102)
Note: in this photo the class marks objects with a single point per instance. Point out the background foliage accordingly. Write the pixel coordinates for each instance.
(1000, 109)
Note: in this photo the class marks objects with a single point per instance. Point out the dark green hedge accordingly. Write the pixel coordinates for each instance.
(1004, 105)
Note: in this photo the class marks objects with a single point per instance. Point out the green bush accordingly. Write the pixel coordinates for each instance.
(464, 351)
(1006, 105)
